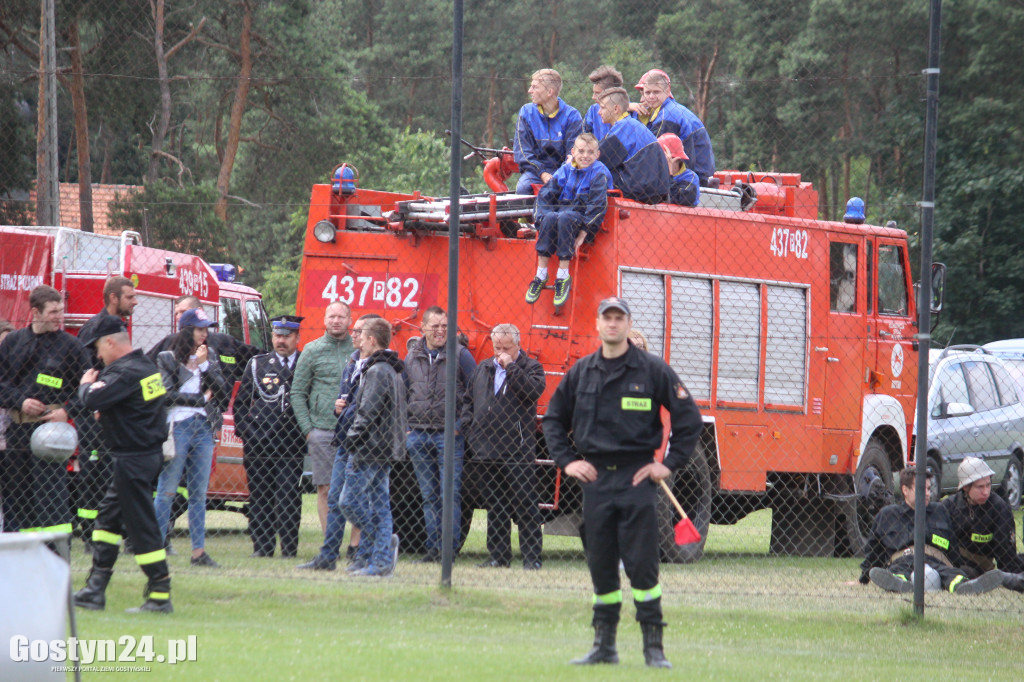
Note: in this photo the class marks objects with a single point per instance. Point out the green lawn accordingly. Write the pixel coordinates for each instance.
(737, 615)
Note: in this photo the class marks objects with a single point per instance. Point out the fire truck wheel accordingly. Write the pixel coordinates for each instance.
(692, 486)
(935, 476)
(874, 489)
(1011, 488)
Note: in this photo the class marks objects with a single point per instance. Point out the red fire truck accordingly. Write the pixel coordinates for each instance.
(795, 335)
(78, 263)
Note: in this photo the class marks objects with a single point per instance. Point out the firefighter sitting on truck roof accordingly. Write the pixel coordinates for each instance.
(685, 188)
(569, 210)
(545, 131)
(661, 113)
(889, 551)
(602, 78)
(631, 152)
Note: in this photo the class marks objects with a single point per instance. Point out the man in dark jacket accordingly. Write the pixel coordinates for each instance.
(129, 395)
(272, 442)
(983, 525)
(501, 425)
(375, 440)
(40, 366)
(611, 401)
(425, 378)
(889, 551)
(631, 152)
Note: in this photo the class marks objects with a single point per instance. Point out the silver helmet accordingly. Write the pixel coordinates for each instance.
(54, 441)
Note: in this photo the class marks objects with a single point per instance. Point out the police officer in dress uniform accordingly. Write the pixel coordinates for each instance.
(273, 442)
(129, 395)
(611, 402)
(40, 366)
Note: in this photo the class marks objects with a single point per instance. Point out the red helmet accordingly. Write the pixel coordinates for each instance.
(671, 143)
(640, 83)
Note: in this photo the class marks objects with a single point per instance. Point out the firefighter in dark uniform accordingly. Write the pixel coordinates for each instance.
(889, 550)
(273, 443)
(129, 395)
(611, 402)
(40, 366)
(93, 463)
(983, 525)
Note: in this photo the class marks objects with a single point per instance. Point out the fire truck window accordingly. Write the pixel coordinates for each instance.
(892, 281)
(983, 389)
(952, 389)
(843, 277)
(1007, 389)
(259, 328)
(231, 318)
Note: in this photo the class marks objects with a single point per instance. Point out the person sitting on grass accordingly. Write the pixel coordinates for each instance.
(569, 211)
(889, 550)
(685, 187)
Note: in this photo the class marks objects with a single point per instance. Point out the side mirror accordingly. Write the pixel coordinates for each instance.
(959, 410)
(938, 286)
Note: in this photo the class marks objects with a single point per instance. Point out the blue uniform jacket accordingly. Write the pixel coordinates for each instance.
(637, 163)
(584, 190)
(685, 189)
(673, 117)
(543, 142)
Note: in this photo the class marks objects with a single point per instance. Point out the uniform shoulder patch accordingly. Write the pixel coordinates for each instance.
(152, 387)
(681, 392)
(97, 385)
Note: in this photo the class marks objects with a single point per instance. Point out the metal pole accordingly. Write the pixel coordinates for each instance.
(924, 304)
(47, 191)
(448, 529)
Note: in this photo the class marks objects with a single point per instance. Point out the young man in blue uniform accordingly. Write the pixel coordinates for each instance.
(661, 113)
(685, 188)
(569, 210)
(610, 401)
(601, 78)
(545, 131)
(631, 152)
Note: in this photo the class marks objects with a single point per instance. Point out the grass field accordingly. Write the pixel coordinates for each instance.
(738, 615)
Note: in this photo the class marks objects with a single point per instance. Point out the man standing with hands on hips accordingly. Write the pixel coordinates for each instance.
(610, 402)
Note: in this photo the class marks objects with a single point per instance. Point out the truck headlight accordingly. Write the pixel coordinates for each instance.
(324, 231)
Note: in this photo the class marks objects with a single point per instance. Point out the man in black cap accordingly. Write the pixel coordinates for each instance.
(119, 301)
(272, 442)
(610, 401)
(129, 396)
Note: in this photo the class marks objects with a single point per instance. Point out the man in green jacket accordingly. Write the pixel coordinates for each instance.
(314, 389)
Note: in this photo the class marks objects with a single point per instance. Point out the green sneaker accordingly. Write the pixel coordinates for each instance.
(562, 290)
(533, 291)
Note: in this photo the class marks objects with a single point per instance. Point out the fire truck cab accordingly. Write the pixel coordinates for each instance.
(796, 336)
(78, 264)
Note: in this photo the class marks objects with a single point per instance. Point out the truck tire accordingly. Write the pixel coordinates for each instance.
(1011, 487)
(692, 487)
(870, 498)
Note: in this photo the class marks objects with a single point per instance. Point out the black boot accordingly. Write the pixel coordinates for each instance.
(158, 597)
(603, 650)
(1013, 581)
(654, 654)
(94, 595)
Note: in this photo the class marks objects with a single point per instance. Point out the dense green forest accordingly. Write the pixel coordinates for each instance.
(227, 111)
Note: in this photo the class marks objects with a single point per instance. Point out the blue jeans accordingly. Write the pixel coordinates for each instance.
(366, 501)
(193, 446)
(335, 532)
(426, 450)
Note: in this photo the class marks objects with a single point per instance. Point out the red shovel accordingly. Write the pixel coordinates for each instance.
(686, 532)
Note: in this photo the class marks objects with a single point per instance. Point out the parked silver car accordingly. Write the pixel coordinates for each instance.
(975, 411)
(1011, 352)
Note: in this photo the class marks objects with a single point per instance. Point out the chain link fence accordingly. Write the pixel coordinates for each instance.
(190, 138)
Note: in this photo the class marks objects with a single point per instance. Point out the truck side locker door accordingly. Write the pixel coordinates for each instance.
(844, 350)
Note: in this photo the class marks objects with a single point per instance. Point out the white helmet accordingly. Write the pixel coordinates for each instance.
(972, 469)
(932, 579)
(54, 441)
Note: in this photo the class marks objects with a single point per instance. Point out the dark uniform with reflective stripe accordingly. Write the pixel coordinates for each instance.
(612, 407)
(129, 395)
(93, 459)
(273, 446)
(46, 367)
(985, 534)
(891, 544)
